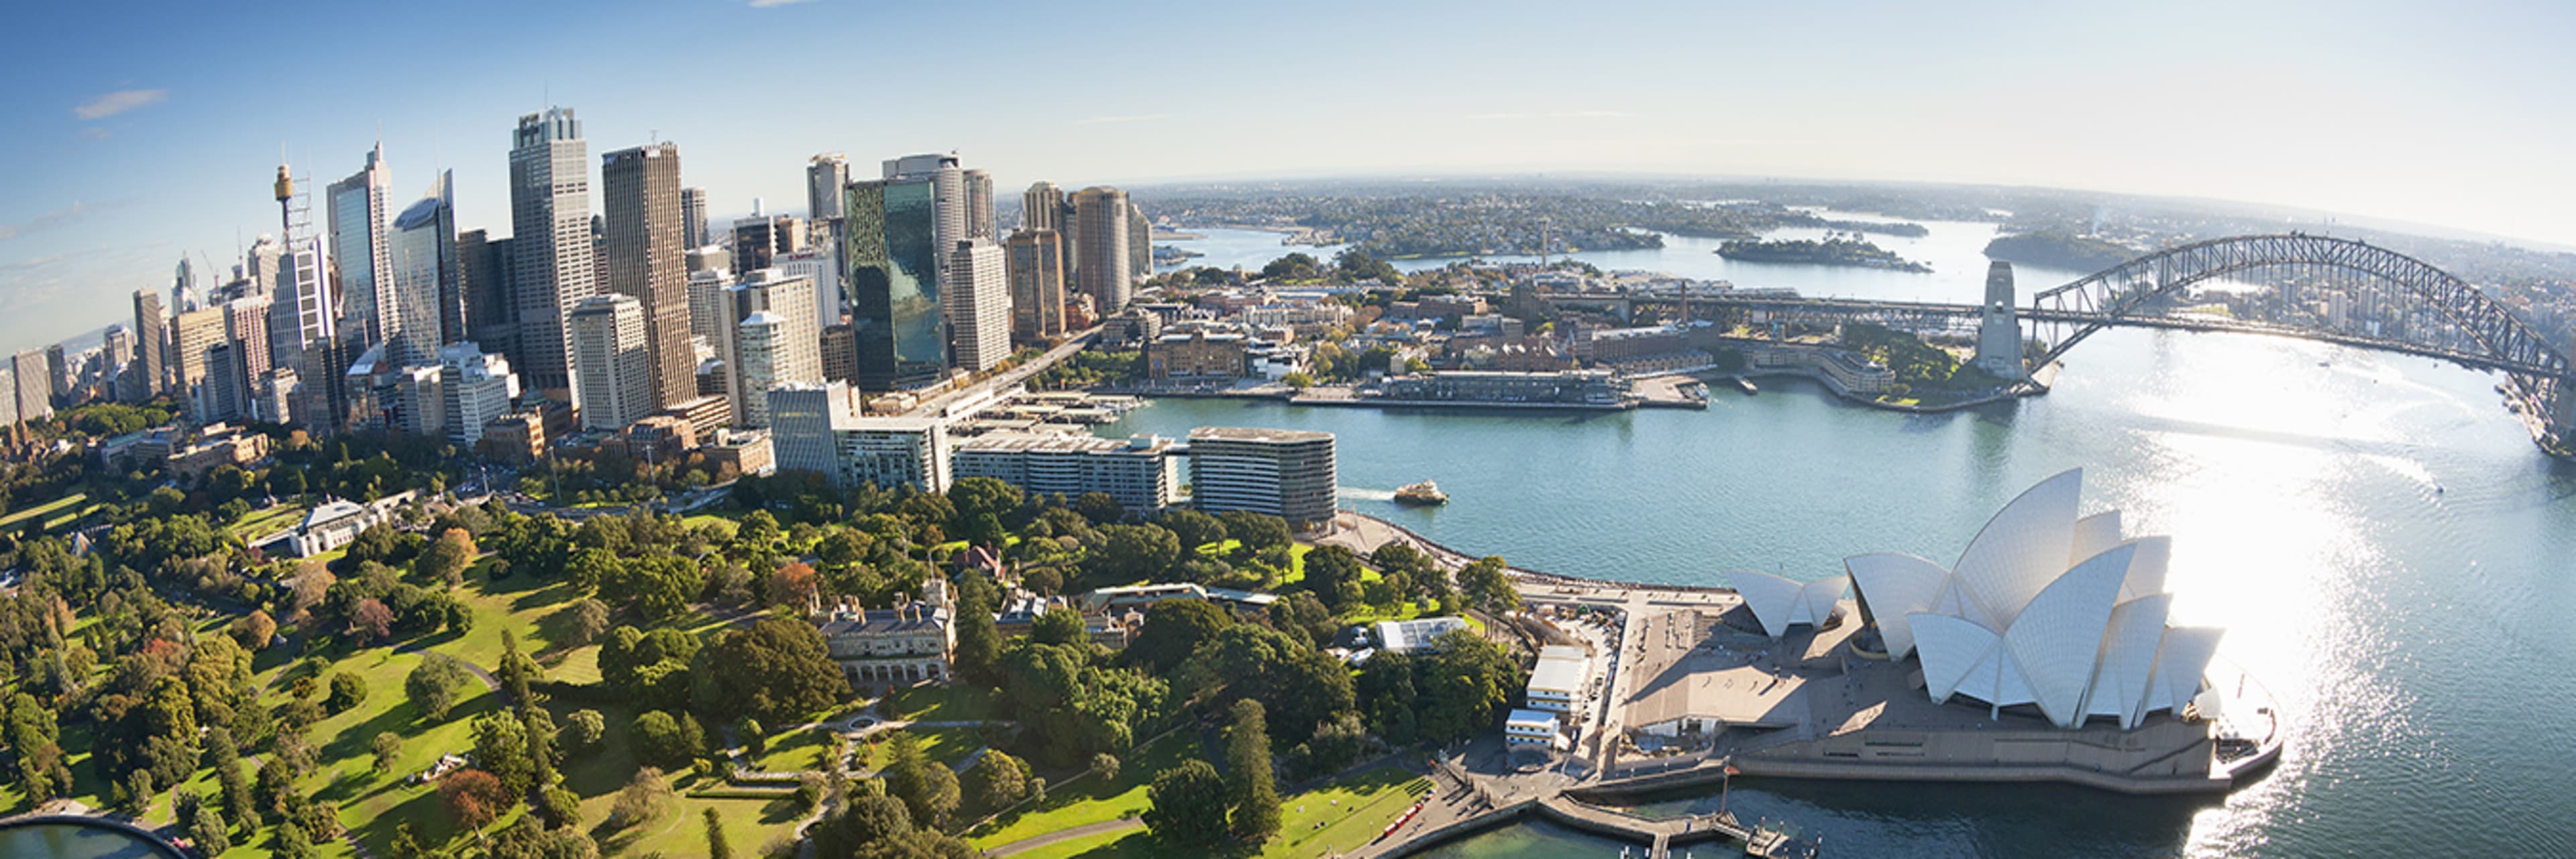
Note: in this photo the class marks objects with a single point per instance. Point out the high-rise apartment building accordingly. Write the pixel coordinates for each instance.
(1042, 207)
(693, 218)
(1137, 471)
(1284, 473)
(612, 361)
(892, 279)
(795, 355)
(357, 213)
(551, 251)
(640, 189)
(979, 305)
(1101, 262)
(423, 306)
(1036, 263)
(762, 343)
(34, 389)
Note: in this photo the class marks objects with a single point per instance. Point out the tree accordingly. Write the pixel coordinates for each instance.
(643, 793)
(660, 742)
(1298, 379)
(1249, 780)
(1462, 682)
(1174, 629)
(432, 684)
(501, 748)
(1099, 507)
(294, 843)
(928, 788)
(1386, 697)
(778, 669)
(979, 642)
(473, 797)
(255, 630)
(1187, 806)
(388, 750)
(348, 690)
(1333, 576)
(794, 586)
(447, 557)
(716, 846)
(589, 620)
(371, 620)
(583, 730)
(1193, 528)
(1059, 625)
(982, 496)
(998, 780)
(1296, 684)
(1131, 553)
(1487, 587)
(1254, 532)
(206, 828)
(1106, 765)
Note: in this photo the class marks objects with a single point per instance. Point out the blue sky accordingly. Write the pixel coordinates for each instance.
(136, 131)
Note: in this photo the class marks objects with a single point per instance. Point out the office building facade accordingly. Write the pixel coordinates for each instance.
(792, 348)
(1035, 258)
(818, 428)
(551, 252)
(640, 191)
(891, 280)
(423, 297)
(693, 218)
(612, 361)
(356, 208)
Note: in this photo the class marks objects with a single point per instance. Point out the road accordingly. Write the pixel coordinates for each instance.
(1074, 343)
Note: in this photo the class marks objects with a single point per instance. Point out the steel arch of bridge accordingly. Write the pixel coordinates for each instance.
(2115, 296)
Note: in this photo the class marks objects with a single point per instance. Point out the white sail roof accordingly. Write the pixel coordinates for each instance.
(2043, 608)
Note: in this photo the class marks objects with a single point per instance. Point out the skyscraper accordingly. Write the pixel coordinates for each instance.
(147, 371)
(1036, 262)
(550, 243)
(640, 189)
(611, 361)
(898, 327)
(693, 218)
(979, 305)
(477, 387)
(35, 388)
(423, 307)
(794, 355)
(760, 237)
(1101, 262)
(58, 371)
(1140, 245)
(1042, 207)
(246, 327)
(979, 205)
(357, 213)
(193, 334)
(260, 262)
(184, 295)
(827, 178)
(483, 284)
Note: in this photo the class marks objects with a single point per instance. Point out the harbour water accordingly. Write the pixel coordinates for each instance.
(2387, 549)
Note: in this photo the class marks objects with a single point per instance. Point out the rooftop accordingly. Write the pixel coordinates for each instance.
(1257, 434)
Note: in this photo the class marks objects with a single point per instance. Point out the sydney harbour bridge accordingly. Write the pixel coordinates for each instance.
(2293, 285)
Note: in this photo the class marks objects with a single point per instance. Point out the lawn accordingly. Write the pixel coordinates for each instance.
(1121, 844)
(726, 521)
(677, 829)
(42, 509)
(797, 751)
(1087, 799)
(1345, 814)
(945, 745)
(265, 522)
(943, 703)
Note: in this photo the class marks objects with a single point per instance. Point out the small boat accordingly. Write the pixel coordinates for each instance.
(1425, 493)
(1747, 386)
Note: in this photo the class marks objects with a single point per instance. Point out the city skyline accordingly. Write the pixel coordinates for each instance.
(2302, 99)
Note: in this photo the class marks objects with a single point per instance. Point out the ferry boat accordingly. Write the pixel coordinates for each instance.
(1425, 493)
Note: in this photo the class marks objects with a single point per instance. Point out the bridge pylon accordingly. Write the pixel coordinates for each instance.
(1999, 328)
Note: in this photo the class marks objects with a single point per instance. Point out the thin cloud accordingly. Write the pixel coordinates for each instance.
(1560, 114)
(120, 101)
(39, 223)
(764, 4)
(96, 133)
(1136, 117)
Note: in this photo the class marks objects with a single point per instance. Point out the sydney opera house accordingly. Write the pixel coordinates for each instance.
(2044, 608)
(2044, 652)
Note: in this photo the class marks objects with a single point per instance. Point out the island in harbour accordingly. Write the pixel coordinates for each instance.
(1834, 249)
(2059, 250)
